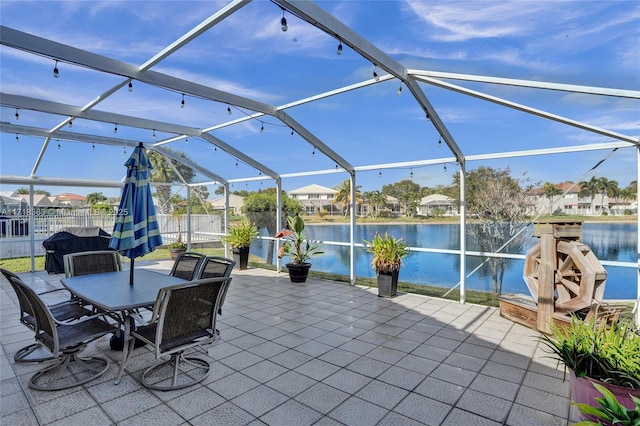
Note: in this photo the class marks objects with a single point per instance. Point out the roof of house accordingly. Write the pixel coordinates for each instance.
(67, 196)
(313, 189)
(436, 199)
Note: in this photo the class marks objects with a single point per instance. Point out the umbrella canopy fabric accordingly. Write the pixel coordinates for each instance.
(136, 230)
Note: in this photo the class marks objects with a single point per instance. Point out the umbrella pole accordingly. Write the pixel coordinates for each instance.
(131, 272)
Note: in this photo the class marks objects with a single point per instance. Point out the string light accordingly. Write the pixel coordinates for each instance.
(70, 122)
(125, 150)
(17, 115)
(56, 73)
(115, 129)
(17, 138)
(428, 118)
(59, 146)
(283, 22)
(236, 163)
(215, 148)
(186, 140)
(93, 147)
(439, 142)
(399, 92)
(411, 174)
(376, 77)
(130, 86)
(262, 127)
(153, 134)
(380, 173)
(291, 132)
(339, 51)
(313, 153)
(228, 109)
(182, 102)
(445, 167)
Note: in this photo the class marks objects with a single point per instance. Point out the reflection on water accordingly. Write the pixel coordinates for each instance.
(609, 241)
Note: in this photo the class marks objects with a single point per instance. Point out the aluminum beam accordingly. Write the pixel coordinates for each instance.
(572, 88)
(524, 108)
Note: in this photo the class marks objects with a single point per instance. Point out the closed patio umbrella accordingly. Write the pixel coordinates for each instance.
(136, 230)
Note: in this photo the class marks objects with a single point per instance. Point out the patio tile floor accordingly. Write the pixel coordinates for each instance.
(317, 353)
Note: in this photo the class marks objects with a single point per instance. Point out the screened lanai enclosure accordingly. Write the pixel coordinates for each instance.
(257, 95)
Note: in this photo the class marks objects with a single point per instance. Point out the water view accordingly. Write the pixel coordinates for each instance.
(608, 241)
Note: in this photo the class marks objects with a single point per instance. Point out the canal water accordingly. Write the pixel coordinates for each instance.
(608, 241)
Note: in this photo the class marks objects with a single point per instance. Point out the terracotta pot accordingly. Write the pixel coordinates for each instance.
(175, 252)
(583, 392)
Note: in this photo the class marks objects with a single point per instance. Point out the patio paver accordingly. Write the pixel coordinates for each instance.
(317, 353)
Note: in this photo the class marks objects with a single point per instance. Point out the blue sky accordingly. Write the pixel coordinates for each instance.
(591, 43)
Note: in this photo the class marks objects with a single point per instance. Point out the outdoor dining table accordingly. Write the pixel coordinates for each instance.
(111, 293)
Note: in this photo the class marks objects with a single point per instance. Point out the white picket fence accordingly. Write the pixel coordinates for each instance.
(15, 232)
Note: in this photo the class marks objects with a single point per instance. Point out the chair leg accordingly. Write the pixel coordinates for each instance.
(172, 374)
(33, 353)
(60, 376)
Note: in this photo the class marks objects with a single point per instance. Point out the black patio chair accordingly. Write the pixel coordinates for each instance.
(62, 311)
(184, 317)
(91, 262)
(187, 265)
(216, 266)
(65, 340)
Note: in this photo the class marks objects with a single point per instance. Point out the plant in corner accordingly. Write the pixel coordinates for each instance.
(598, 354)
(175, 248)
(388, 252)
(239, 237)
(609, 411)
(298, 248)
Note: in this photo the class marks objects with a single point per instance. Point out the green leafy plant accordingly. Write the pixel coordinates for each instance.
(296, 245)
(177, 245)
(607, 353)
(241, 234)
(609, 410)
(387, 251)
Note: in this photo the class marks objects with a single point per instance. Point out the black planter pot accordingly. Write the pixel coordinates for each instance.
(241, 256)
(298, 273)
(388, 283)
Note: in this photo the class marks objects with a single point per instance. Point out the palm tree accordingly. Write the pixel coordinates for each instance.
(589, 188)
(378, 200)
(550, 190)
(163, 172)
(95, 198)
(344, 195)
(607, 187)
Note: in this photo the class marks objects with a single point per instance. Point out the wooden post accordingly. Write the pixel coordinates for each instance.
(547, 278)
(550, 233)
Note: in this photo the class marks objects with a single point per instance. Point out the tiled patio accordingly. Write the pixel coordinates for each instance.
(322, 353)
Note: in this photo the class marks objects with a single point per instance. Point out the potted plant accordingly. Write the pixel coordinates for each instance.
(177, 247)
(609, 411)
(388, 252)
(598, 354)
(298, 248)
(239, 237)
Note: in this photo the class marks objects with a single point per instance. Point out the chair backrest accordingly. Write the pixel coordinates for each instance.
(186, 314)
(91, 262)
(27, 314)
(44, 324)
(215, 266)
(187, 265)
